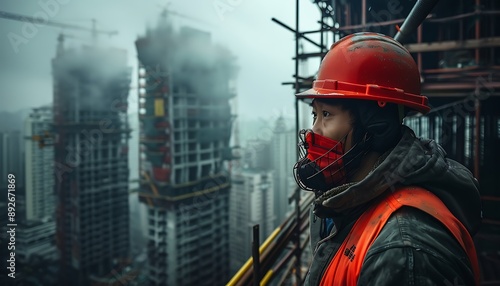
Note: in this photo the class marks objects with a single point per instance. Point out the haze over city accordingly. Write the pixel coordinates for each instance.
(71, 72)
(155, 142)
(264, 50)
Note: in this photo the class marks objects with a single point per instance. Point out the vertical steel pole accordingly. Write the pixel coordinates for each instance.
(363, 13)
(256, 256)
(297, 89)
(478, 29)
(419, 54)
(477, 133)
(297, 195)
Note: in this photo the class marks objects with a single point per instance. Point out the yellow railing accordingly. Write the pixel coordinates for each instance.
(247, 264)
(273, 247)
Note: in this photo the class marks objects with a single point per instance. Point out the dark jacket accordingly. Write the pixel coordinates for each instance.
(413, 248)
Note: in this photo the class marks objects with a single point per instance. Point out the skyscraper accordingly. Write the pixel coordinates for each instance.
(186, 83)
(251, 203)
(37, 234)
(257, 154)
(283, 152)
(91, 131)
(39, 163)
(11, 156)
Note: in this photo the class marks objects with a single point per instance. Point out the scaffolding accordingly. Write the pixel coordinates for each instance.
(185, 87)
(456, 50)
(91, 134)
(183, 103)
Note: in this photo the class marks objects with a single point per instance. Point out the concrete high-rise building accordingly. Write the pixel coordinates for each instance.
(251, 203)
(91, 132)
(11, 157)
(186, 83)
(36, 236)
(257, 154)
(283, 156)
(39, 164)
(11, 162)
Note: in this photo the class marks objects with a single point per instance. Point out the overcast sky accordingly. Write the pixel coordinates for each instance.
(263, 48)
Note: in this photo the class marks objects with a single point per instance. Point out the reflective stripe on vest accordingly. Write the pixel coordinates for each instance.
(345, 267)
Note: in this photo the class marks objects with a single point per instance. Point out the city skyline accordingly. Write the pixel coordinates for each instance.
(245, 28)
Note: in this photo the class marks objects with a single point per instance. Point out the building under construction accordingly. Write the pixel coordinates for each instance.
(185, 84)
(457, 50)
(91, 134)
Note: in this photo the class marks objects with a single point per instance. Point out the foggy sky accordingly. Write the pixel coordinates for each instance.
(264, 49)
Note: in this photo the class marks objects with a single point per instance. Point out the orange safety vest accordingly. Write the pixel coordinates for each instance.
(345, 267)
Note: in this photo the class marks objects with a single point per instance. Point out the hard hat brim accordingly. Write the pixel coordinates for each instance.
(366, 92)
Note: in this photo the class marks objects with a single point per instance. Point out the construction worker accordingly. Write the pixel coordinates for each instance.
(389, 208)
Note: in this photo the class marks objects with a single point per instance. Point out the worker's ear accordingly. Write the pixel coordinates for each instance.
(381, 124)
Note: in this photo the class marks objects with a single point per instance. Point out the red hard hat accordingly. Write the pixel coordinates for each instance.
(369, 66)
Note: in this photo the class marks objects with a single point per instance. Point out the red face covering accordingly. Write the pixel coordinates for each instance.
(327, 154)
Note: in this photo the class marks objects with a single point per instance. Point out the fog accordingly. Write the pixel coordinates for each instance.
(263, 52)
(263, 49)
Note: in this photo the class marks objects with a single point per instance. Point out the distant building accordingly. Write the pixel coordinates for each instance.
(138, 226)
(36, 236)
(185, 83)
(251, 203)
(4, 236)
(39, 164)
(11, 157)
(91, 132)
(283, 156)
(257, 155)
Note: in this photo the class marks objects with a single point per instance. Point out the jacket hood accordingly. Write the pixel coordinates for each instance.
(418, 162)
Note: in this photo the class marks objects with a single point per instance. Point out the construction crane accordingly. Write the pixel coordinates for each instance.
(166, 10)
(174, 13)
(34, 20)
(46, 139)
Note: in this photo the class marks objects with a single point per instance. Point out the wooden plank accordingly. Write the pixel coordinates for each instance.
(453, 45)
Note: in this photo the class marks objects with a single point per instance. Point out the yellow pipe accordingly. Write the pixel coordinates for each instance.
(266, 278)
(185, 196)
(150, 203)
(268, 241)
(247, 264)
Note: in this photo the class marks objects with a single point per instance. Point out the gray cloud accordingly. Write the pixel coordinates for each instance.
(264, 50)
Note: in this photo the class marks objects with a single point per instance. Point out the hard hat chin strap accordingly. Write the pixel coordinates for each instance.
(324, 164)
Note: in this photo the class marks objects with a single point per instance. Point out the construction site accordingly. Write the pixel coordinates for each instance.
(78, 165)
(91, 143)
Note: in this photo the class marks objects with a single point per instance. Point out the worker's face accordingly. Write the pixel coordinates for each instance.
(333, 122)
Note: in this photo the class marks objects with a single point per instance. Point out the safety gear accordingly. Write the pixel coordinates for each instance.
(345, 267)
(369, 66)
(322, 166)
(324, 163)
(410, 236)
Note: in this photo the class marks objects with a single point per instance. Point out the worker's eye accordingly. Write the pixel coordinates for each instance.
(325, 113)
